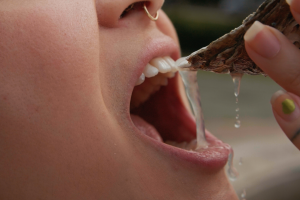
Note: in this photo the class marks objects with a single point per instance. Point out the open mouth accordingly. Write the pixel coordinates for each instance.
(158, 111)
(156, 107)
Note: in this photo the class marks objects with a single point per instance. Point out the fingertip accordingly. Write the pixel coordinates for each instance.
(287, 114)
(262, 41)
(285, 106)
(276, 95)
(295, 8)
(253, 31)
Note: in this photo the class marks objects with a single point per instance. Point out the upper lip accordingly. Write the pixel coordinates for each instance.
(159, 47)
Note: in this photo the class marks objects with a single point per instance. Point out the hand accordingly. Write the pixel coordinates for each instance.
(280, 59)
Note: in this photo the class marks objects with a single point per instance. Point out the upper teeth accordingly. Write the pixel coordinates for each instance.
(141, 79)
(150, 71)
(171, 62)
(164, 65)
(157, 73)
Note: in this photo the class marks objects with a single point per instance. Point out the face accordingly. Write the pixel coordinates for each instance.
(73, 123)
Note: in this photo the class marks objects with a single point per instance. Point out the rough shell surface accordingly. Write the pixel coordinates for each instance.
(228, 54)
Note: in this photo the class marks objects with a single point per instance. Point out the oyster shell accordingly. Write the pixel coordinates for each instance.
(228, 54)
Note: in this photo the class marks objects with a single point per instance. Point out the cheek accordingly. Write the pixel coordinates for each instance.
(46, 45)
(49, 54)
(119, 56)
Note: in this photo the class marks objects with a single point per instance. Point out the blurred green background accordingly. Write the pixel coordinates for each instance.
(268, 163)
(199, 22)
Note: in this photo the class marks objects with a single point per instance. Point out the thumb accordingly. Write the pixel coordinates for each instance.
(287, 113)
(275, 55)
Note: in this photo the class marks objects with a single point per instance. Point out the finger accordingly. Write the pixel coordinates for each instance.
(275, 55)
(287, 113)
(295, 9)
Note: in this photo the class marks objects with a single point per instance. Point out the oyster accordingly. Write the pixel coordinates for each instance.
(228, 54)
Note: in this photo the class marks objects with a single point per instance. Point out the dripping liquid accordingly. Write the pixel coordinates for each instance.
(244, 194)
(236, 78)
(232, 172)
(192, 89)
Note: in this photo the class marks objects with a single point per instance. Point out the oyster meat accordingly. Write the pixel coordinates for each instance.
(228, 54)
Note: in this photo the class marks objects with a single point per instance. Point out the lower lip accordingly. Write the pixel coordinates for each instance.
(212, 158)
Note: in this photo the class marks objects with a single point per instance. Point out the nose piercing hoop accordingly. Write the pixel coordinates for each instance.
(149, 15)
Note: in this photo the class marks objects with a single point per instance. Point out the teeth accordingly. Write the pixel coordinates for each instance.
(182, 63)
(181, 145)
(150, 71)
(157, 72)
(170, 74)
(184, 145)
(171, 62)
(161, 65)
(140, 80)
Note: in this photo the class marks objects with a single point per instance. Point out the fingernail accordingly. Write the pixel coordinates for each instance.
(289, 2)
(288, 106)
(262, 40)
(284, 105)
(256, 28)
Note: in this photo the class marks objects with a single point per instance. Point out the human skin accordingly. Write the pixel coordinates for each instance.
(280, 59)
(67, 71)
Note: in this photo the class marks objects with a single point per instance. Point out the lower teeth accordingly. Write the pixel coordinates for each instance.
(184, 145)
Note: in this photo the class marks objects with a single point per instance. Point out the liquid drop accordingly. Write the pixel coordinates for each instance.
(244, 194)
(236, 78)
(192, 89)
(232, 172)
(237, 123)
(241, 161)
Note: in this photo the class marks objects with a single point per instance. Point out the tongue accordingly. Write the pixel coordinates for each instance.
(145, 127)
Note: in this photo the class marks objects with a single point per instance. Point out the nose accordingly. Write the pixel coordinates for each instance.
(109, 11)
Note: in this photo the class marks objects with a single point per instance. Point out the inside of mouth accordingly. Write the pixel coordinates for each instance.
(163, 116)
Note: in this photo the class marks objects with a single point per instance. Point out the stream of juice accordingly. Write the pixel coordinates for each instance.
(192, 89)
(236, 78)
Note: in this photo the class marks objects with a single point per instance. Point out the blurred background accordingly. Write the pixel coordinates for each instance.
(269, 165)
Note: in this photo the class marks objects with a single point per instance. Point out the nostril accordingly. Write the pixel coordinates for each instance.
(127, 10)
(134, 7)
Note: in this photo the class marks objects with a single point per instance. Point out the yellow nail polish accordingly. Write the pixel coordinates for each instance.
(288, 106)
